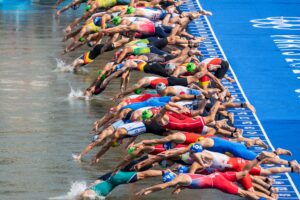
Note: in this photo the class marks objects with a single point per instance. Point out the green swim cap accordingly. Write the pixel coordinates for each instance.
(103, 76)
(130, 10)
(190, 67)
(137, 91)
(88, 7)
(116, 20)
(130, 150)
(81, 39)
(147, 114)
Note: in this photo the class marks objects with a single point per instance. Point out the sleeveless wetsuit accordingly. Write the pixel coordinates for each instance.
(140, 98)
(222, 181)
(154, 101)
(185, 123)
(170, 81)
(105, 187)
(236, 149)
(185, 90)
(89, 56)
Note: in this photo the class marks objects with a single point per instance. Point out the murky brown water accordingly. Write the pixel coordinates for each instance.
(40, 127)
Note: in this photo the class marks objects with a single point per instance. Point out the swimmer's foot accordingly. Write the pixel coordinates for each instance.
(295, 166)
(58, 13)
(260, 143)
(265, 154)
(274, 190)
(249, 106)
(274, 195)
(280, 151)
(221, 123)
(198, 40)
(270, 181)
(231, 117)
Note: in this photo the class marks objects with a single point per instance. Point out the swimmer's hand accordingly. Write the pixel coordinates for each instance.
(177, 190)
(143, 192)
(95, 126)
(94, 160)
(76, 157)
(116, 97)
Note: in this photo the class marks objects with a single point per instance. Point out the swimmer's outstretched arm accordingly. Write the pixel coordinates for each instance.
(117, 29)
(216, 80)
(128, 158)
(139, 84)
(58, 2)
(149, 173)
(78, 20)
(112, 76)
(182, 97)
(130, 142)
(173, 152)
(166, 139)
(159, 187)
(103, 150)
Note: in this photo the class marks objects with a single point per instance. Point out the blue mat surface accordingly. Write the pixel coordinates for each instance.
(259, 39)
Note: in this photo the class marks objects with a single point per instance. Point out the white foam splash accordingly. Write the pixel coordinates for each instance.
(76, 189)
(62, 66)
(84, 70)
(76, 93)
(76, 157)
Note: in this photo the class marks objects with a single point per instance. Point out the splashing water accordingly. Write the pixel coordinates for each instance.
(62, 66)
(76, 93)
(76, 157)
(76, 189)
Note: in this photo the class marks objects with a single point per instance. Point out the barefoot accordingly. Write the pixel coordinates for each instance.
(221, 123)
(270, 181)
(231, 118)
(294, 162)
(274, 195)
(250, 107)
(296, 168)
(238, 133)
(265, 154)
(274, 190)
(198, 40)
(58, 13)
(249, 143)
(260, 143)
(280, 151)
